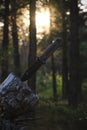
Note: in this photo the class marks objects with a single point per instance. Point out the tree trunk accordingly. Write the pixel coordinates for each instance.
(4, 60)
(54, 87)
(74, 90)
(64, 55)
(15, 41)
(32, 43)
(53, 77)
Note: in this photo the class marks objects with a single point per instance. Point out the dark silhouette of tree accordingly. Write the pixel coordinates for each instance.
(54, 87)
(15, 39)
(32, 42)
(65, 45)
(74, 88)
(53, 77)
(83, 45)
(5, 43)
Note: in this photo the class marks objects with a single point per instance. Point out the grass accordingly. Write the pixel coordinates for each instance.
(51, 115)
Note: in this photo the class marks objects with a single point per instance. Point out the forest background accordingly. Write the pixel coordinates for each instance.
(27, 28)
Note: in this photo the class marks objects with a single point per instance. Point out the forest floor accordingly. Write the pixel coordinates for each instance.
(54, 116)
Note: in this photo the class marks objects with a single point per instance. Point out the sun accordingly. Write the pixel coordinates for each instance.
(43, 21)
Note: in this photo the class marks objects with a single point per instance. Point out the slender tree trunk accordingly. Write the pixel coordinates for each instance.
(52, 57)
(5, 43)
(75, 87)
(64, 60)
(32, 43)
(15, 41)
(53, 77)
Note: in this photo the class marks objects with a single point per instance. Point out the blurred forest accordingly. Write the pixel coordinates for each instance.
(23, 38)
(26, 29)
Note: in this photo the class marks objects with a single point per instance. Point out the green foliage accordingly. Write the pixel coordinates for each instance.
(44, 85)
(59, 85)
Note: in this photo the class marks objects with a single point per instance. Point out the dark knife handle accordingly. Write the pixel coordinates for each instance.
(41, 60)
